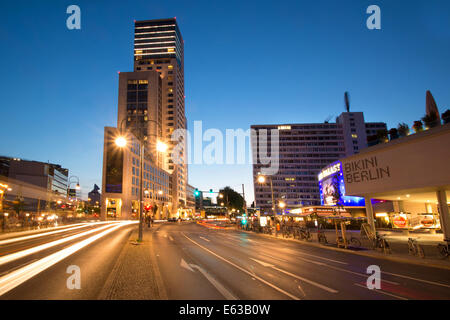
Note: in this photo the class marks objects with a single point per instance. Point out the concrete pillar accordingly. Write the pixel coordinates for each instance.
(399, 206)
(102, 208)
(443, 213)
(369, 213)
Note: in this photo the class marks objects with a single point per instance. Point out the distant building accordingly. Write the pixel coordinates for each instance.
(304, 149)
(37, 183)
(190, 198)
(207, 202)
(94, 196)
(199, 200)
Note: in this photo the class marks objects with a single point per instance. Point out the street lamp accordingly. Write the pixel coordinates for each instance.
(161, 146)
(121, 141)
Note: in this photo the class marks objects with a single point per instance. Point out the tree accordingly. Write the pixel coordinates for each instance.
(403, 129)
(418, 126)
(393, 134)
(446, 116)
(231, 199)
(430, 120)
(382, 135)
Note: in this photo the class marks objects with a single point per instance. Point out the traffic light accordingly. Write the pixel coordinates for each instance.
(210, 190)
(196, 193)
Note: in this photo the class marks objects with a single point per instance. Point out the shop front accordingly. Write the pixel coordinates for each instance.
(405, 183)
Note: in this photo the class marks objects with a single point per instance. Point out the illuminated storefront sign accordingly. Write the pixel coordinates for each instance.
(400, 221)
(332, 188)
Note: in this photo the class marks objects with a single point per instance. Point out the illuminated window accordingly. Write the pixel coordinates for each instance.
(284, 127)
(354, 136)
(170, 50)
(170, 67)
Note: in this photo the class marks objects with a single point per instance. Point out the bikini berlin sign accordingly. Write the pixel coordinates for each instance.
(366, 169)
(365, 174)
(415, 162)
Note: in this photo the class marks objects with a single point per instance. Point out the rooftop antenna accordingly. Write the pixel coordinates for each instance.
(327, 119)
(347, 101)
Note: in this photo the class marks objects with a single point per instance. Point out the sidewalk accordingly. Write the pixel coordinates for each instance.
(398, 245)
(135, 275)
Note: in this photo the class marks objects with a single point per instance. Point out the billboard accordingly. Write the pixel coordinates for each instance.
(332, 188)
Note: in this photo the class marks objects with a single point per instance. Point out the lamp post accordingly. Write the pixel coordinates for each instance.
(77, 187)
(262, 180)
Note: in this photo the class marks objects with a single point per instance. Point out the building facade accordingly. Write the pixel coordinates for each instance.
(94, 196)
(304, 149)
(38, 184)
(411, 173)
(121, 185)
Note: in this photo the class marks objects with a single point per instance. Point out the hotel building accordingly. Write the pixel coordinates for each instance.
(150, 109)
(304, 149)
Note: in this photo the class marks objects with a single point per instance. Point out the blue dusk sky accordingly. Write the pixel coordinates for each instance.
(246, 62)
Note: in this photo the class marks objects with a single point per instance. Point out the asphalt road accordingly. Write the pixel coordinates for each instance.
(201, 263)
(196, 262)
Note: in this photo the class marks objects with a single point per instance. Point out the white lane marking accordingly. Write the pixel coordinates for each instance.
(298, 253)
(311, 255)
(379, 291)
(416, 279)
(223, 291)
(21, 275)
(321, 286)
(43, 234)
(24, 253)
(243, 270)
(301, 290)
(272, 257)
(205, 239)
(184, 264)
(170, 238)
(345, 270)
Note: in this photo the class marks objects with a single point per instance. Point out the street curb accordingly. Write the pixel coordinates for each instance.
(390, 258)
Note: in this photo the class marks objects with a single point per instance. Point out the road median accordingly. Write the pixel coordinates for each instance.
(135, 275)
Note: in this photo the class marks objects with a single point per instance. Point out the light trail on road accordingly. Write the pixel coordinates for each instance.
(44, 233)
(19, 276)
(17, 255)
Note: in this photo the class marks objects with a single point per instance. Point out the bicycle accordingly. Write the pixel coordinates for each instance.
(267, 230)
(414, 248)
(380, 243)
(444, 250)
(353, 241)
(304, 234)
(321, 237)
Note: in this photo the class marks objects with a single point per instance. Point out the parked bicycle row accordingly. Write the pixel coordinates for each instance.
(364, 239)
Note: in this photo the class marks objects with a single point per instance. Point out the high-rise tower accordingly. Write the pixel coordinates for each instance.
(159, 51)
